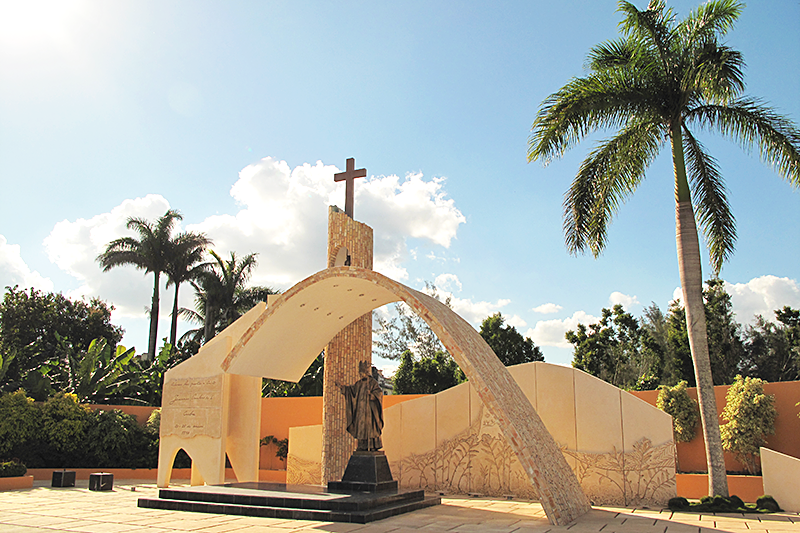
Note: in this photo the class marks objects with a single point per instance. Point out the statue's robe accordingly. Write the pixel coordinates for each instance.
(364, 401)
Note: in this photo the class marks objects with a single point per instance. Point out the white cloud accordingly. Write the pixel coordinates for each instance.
(282, 217)
(759, 296)
(448, 282)
(551, 332)
(475, 312)
(14, 270)
(547, 309)
(619, 298)
(762, 296)
(74, 247)
(516, 321)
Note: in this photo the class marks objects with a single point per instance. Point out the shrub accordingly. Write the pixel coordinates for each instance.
(19, 422)
(678, 503)
(676, 401)
(768, 503)
(12, 469)
(750, 416)
(115, 439)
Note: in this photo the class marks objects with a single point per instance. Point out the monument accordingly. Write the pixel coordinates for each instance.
(212, 401)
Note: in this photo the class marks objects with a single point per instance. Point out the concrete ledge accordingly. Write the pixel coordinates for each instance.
(781, 478)
(44, 474)
(695, 486)
(16, 483)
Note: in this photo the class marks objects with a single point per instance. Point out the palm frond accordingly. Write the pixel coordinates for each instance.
(715, 73)
(652, 27)
(714, 18)
(751, 123)
(604, 181)
(712, 208)
(605, 100)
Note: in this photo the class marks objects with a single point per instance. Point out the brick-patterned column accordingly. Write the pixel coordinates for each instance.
(351, 345)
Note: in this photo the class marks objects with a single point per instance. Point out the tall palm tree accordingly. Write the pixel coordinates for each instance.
(661, 77)
(151, 253)
(221, 294)
(187, 251)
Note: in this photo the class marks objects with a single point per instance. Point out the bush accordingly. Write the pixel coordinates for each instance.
(750, 416)
(19, 423)
(12, 469)
(115, 439)
(676, 401)
(678, 503)
(768, 503)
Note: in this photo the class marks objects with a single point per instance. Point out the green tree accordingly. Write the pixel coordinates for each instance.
(31, 323)
(151, 252)
(102, 374)
(507, 343)
(428, 375)
(407, 331)
(617, 350)
(185, 256)
(750, 415)
(773, 350)
(676, 402)
(222, 294)
(654, 82)
(309, 385)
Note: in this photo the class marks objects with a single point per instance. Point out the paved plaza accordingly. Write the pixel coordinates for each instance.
(77, 509)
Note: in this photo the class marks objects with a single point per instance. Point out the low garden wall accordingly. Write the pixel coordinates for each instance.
(692, 455)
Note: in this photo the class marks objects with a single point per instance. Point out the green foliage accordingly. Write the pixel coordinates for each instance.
(19, 423)
(61, 433)
(100, 375)
(773, 350)
(427, 375)
(507, 343)
(676, 402)
(723, 504)
(281, 446)
(750, 415)
(309, 385)
(115, 439)
(617, 350)
(12, 469)
(768, 503)
(407, 331)
(31, 323)
(222, 295)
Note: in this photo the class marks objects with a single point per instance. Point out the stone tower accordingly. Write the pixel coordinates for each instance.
(349, 244)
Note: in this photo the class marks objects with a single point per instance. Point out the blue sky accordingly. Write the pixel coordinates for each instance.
(238, 113)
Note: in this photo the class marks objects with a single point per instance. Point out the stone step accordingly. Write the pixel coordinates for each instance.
(359, 516)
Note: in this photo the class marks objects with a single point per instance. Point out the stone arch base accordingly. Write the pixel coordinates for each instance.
(283, 340)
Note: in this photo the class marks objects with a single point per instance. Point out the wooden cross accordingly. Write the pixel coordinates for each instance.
(348, 176)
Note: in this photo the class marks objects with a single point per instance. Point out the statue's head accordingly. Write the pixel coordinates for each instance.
(364, 368)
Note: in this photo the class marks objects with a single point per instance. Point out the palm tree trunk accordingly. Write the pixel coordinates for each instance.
(151, 345)
(173, 331)
(691, 275)
(210, 320)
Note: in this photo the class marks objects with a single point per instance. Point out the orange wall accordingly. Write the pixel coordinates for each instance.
(277, 416)
(692, 455)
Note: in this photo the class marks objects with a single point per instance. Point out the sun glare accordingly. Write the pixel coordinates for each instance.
(31, 22)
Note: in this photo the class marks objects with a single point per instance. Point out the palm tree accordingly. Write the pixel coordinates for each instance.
(221, 294)
(661, 77)
(151, 253)
(187, 251)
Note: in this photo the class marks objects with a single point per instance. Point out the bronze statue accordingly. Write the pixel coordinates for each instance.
(364, 409)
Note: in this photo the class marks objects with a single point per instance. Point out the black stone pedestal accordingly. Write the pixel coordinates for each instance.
(365, 472)
(63, 478)
(101, 481)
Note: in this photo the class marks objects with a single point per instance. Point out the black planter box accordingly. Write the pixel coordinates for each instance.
(101, 481)
(63, 478)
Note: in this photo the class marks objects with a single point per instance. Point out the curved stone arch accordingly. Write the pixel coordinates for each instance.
(327, 301)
